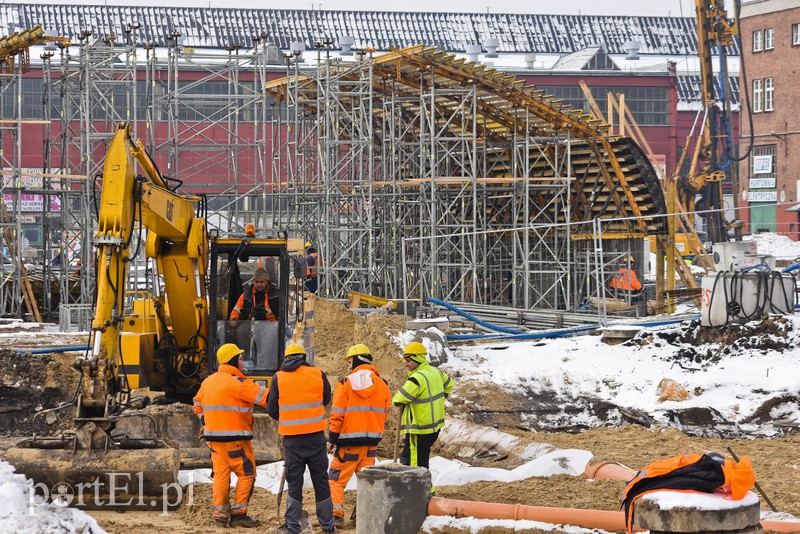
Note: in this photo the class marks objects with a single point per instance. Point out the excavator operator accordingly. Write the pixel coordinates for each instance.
(253, 303)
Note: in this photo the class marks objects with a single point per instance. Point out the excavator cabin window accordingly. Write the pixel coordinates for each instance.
(249, 293)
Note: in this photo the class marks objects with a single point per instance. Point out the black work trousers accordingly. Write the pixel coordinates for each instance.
(417, 449)
(307, 450)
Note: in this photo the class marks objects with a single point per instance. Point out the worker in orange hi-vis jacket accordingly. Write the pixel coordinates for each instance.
(361, 404)
(625, 283)
(297, 398)
(224, 405)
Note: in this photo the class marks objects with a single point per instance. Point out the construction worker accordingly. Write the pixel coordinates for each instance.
(297, 398)
(422, 397)
(361, 405)
(224, 405)
(625, 283)
(253, 303)
(313, 263)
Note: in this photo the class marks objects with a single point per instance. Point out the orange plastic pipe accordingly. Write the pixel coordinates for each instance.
(780, 526)
(560, 516)
(609, 470)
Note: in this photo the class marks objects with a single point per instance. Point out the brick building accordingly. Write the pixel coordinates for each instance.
(770, 176)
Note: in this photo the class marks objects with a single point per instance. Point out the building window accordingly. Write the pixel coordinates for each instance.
(758, 94)
(769, 39)
(648, 105)
(757, 41)
(796, 34)
(769, 94)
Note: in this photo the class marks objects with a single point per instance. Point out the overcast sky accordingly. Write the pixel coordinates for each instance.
(570, 7)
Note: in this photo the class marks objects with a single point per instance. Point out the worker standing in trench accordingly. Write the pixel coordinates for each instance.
(423, 396)
(297, 398)
(361, 405)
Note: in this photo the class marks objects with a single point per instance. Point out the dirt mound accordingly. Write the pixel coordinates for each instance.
(31, 382)
(336, 328)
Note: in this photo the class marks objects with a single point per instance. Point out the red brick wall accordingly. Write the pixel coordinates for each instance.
(782, 64)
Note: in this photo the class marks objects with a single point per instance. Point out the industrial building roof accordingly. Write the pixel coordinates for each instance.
(453, 32)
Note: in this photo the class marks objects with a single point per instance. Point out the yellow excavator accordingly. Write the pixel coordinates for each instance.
(164, 339)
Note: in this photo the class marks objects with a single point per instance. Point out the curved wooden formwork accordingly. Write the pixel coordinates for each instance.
(421, 174)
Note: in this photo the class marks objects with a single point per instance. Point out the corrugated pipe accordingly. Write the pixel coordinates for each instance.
(602, 519)
(49, 350)
(563, 332)
(474, 319)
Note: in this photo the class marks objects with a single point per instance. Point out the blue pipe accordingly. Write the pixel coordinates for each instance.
(565, 332)
(791, 268)
(521, 334)
(474, 319)
(55, 349)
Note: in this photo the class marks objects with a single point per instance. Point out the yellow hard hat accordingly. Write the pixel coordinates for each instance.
(308, 244)
(416, 351)
(294, 349)
(360, 350)
(227, 352)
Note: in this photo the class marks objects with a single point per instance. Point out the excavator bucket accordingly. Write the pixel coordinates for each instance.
(138, 479)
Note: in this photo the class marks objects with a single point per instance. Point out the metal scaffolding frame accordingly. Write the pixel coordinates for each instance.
(417, 175)
(221, 134)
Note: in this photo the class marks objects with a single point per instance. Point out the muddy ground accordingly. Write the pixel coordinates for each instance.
(41, 381)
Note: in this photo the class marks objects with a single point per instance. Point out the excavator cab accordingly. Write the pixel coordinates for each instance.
(233, 263)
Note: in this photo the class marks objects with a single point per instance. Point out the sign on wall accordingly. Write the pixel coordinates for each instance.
(762, 164)
(762, 183)
(29, 178)
(762, 196)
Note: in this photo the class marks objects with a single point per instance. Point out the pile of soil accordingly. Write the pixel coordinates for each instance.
(336, 329)
(32, 382)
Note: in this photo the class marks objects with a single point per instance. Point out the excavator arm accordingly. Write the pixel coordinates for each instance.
(178, 244)
(94, 453)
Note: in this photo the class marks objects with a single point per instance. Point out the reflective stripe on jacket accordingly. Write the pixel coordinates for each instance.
(626, 280)
(361, 404)
(424, 394)
(225, 404)
(300, 401)
(245, 310)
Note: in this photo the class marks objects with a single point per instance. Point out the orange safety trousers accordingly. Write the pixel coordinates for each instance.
(237, 457)
(346, 461)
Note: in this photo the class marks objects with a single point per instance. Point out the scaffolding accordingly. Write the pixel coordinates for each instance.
(415, 174)
(418, 175)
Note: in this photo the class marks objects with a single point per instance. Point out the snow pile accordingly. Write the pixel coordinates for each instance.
(23, 514)
(744, 378)
(780, 246)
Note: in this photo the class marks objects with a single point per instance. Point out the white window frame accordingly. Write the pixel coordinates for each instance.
(758, 94)
(757, 41)
(769, 39)
(769, 94)
(796, 34)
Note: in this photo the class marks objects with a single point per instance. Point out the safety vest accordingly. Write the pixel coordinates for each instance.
(245, 310)
(312, 270)
(626, 280)
(689, 473)
(424, 394)
(225, 402)
(300, 394)
(361, 404)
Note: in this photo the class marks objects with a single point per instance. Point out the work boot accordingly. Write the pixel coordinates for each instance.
(221, 523)
(338, 522)
(244, 521)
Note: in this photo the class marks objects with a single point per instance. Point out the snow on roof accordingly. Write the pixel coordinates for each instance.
(453, 32)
